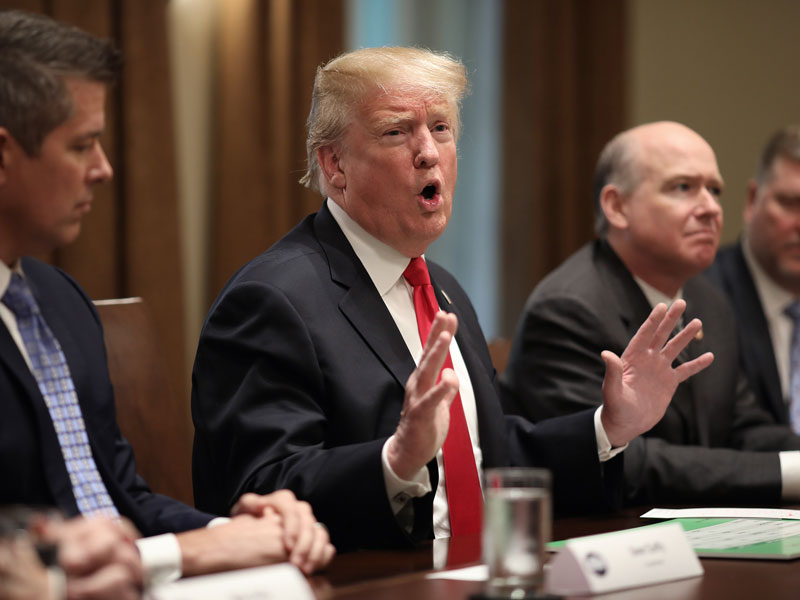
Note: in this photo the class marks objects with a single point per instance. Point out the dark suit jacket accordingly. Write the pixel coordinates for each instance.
(710, 444)
(31, 464)
(299, 380)
(731, 275)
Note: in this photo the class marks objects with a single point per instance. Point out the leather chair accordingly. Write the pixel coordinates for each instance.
(155, 422)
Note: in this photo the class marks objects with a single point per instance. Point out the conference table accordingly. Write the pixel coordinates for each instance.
(401, 574)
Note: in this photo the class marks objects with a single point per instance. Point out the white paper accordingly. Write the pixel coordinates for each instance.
(721, 513)
(476, 573)
(741, 532)
(275, 582)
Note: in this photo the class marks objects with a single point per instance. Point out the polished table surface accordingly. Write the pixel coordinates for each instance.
(390, 575)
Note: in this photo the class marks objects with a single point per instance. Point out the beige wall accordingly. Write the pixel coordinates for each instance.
(727, 68)
(191, 33)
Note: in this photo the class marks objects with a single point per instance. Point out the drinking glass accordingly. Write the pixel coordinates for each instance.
(516, 529)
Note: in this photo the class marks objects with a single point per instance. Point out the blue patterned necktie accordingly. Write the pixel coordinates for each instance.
(50, 368)
(793, 311)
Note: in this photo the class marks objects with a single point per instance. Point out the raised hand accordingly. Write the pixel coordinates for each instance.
(425, 417)
(639, 385)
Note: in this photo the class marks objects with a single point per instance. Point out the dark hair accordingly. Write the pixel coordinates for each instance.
(37, 54)
(784, 143)
(616, 165)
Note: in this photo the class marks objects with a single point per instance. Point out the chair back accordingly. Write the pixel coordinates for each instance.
(499, 350)
(155, 422)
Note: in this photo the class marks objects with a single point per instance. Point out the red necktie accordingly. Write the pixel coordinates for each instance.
(461, 475)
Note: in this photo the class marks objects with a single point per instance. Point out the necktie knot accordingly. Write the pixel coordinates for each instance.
(416, 272)
(793, 310)
(19, 298)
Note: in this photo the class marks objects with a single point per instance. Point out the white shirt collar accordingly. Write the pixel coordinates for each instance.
(5, 275)
(384, 264)
(774, 298)
(655, 296)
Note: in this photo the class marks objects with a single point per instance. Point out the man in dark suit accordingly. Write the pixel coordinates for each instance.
(310, 371)
(657, 188)
(59, 442)
(761, 276)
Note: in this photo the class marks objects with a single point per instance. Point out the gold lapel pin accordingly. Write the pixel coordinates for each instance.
(699, 335)
(446, 297)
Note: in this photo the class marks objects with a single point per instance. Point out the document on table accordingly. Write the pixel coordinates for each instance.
(738, 532)
(734, 532)
(272, 582)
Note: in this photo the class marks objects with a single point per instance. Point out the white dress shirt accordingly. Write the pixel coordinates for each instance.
(385, 267)
(789, 459)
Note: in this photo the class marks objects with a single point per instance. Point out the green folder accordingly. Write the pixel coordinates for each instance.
(775, 539)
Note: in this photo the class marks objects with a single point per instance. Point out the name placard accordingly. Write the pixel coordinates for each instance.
(604, 563)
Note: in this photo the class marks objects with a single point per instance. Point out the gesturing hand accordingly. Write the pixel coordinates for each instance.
(639, 385)
(425, 417)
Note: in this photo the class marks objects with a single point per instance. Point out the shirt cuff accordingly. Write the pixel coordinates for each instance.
(790, 475)
(399, 491)
(161, 558)
(604, 450)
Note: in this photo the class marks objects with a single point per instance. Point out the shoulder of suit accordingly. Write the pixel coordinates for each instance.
(582, 275)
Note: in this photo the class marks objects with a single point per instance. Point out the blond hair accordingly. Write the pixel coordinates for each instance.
(344, 83)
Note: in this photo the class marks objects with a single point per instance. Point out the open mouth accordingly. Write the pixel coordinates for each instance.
(428, 192)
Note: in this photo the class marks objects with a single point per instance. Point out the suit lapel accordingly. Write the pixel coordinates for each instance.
(633, 305)
(360, 303)
(755, 331)
(695, 348)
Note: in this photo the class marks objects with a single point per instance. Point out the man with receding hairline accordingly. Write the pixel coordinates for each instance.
(311, 373)
(658, 222)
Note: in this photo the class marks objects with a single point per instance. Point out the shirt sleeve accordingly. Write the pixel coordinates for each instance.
(400, 491)
(604, 450)
(790, 475)
(161, 558)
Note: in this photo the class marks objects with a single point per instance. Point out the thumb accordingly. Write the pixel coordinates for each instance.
(613, 378)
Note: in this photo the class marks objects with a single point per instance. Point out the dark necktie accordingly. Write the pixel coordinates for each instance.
(793, 311)
(50, 369)
(464, 499)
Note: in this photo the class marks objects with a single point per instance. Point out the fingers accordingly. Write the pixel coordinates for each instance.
(300, 540)
(88, 545)
(652, 326)
(687, 369)
(613, 377)
(296, 516)
(668, 323)
(436, 348)
(249, 504)
(112, 581)
(320, 550)
(681, 339)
